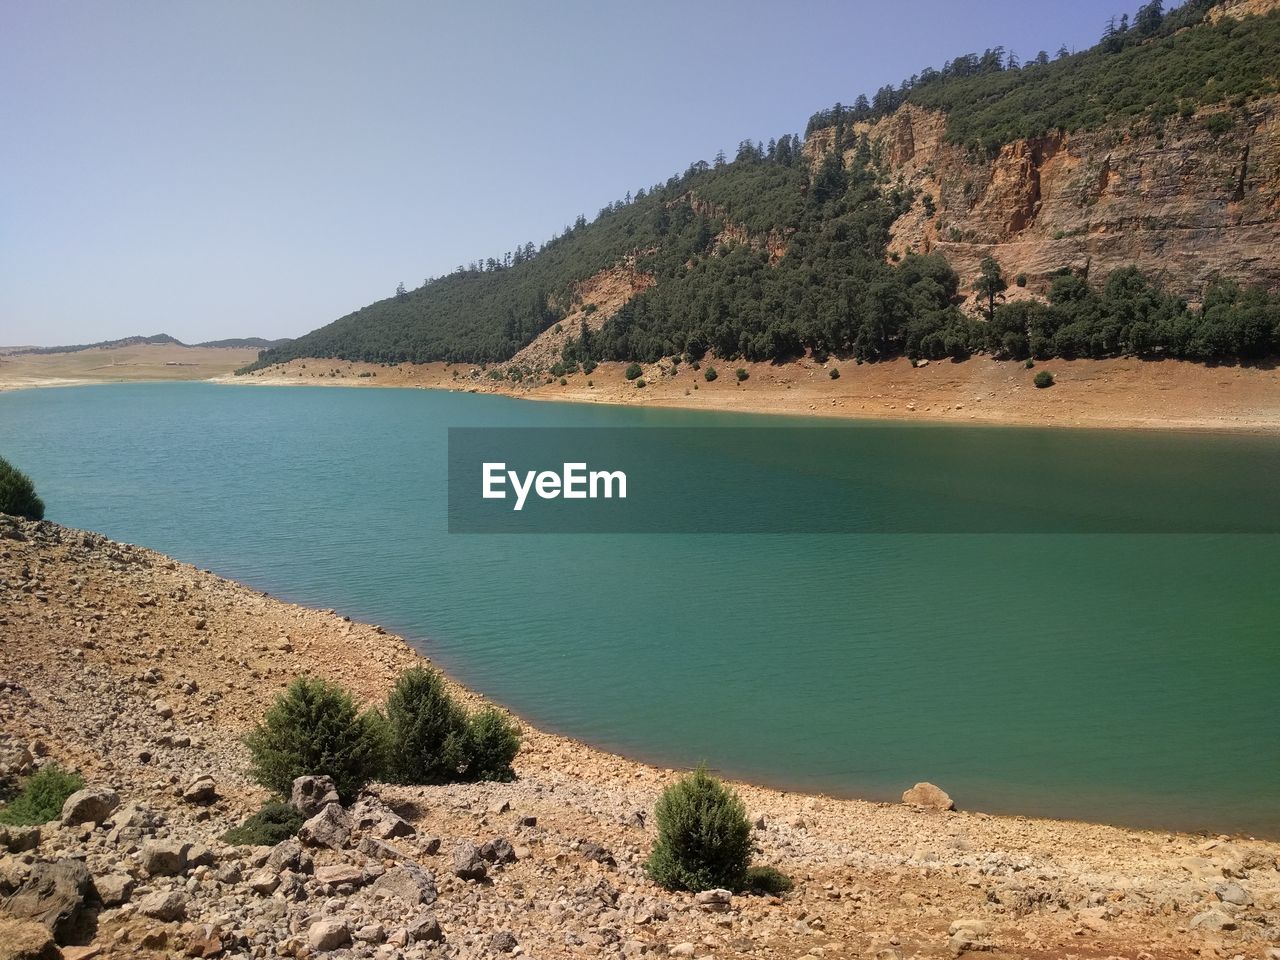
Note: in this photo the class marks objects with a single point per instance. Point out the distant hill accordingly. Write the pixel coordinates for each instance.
(156, 339)
(1120, 200)
(245, 342)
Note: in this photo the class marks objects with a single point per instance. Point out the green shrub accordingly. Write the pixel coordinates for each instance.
(274, 823)
(768, 881)
(704, 840)
(564, 382)
(1044, 379)
(742, 374)
(1020, 279)
(710, 374)
(1029, 363)
(314, 728)
(492, 744)
(640, 384)
(835, 373)
(431, 740)
(41, 797)
(18, 493)
(634, 370)
(426, 728)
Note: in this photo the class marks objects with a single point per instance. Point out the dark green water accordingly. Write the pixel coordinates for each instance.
(1121, 678)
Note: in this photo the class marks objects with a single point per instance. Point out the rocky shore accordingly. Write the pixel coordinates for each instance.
(144, 673)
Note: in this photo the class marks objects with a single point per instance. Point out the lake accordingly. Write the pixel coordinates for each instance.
(1125, 678)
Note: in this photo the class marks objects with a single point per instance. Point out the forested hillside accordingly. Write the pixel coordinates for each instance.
(786, 247)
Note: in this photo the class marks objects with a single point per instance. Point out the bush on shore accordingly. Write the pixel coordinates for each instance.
(704, 839)
(274, 823)
(426, 729)
(425, 737)
(492, 744)
(18, 494)
(1044, 379)
(315, 728)
(633, 371)
(41, 797)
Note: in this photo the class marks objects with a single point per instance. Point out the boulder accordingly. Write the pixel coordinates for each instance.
(167, 906)
(201, 791)
(164, 858)
(329, 935)
(929, 797)
(19, 839)
(90, 805)
(26, 940)
(331, 828)
(410, 884)
(467, 862)
(311, 794)
(59, 895)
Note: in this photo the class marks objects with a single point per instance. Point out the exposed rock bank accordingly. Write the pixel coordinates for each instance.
(144, 673)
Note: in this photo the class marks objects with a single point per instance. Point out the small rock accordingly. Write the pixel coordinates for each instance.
(164, 858)
(340, 874)
(114, 888)
(331, 828)
(425, 929)
(1233, 893)
(504, 941)
(593, 851)
(410, 884)
(329, 935)
(1212, 921)
(166, 906)
(714, 901)
(498, 850)
(310, 795)
(264, 882)
(201, 791)
(467, 862)
(163, 709)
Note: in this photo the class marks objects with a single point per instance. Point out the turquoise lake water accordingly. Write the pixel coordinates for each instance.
(1120, 678)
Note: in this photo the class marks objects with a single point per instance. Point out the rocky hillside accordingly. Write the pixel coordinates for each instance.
(143, 673)
(1185, 205)
(1152, 157)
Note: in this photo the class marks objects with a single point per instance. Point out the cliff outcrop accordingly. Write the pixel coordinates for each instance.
(1197, 200)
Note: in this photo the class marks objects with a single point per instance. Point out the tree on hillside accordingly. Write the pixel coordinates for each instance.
(1150, 16)
(990, 285)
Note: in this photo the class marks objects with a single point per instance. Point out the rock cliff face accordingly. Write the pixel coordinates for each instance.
(1184, 204)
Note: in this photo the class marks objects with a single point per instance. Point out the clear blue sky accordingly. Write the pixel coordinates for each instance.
(216, 169)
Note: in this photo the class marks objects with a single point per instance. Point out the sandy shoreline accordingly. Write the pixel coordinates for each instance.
(870, 876)
(1122, 394)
